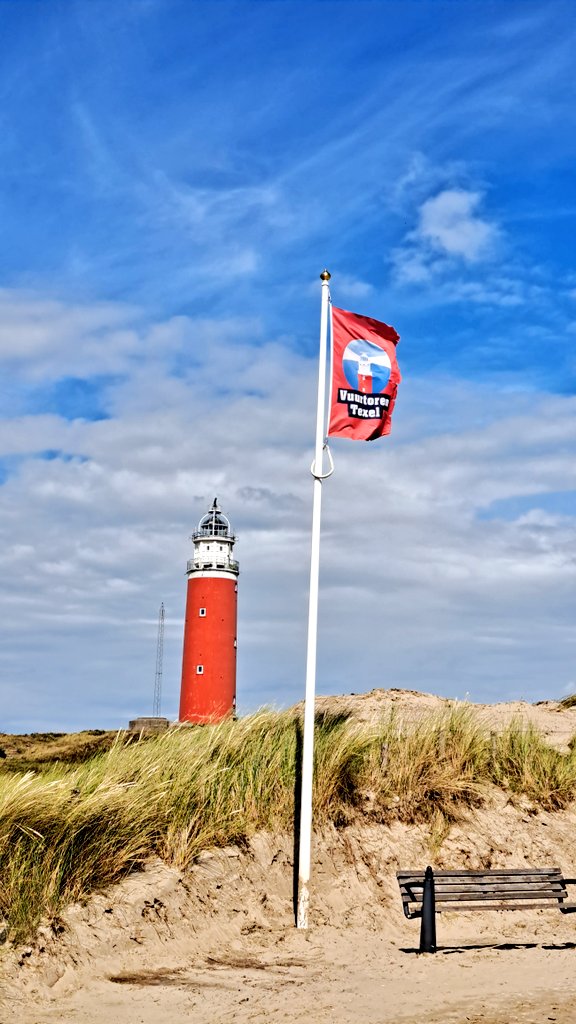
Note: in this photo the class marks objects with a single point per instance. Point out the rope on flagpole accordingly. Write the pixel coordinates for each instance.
(323, 476)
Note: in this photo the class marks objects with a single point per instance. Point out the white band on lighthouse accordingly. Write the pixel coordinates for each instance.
(304, 856)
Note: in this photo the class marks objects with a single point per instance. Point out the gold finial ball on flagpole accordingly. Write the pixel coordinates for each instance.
(325, 275)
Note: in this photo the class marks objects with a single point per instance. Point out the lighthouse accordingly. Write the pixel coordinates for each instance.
(364, 374)
(208, 689)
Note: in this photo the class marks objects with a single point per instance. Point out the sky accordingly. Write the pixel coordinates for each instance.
(174, 176)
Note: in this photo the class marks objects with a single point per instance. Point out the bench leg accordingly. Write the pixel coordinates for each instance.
(428, 925)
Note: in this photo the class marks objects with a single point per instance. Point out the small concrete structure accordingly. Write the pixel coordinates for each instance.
(148, 725)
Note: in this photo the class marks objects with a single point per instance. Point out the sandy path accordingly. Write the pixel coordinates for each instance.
(329, 977)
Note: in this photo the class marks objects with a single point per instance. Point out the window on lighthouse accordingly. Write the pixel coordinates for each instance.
(199, 670)
(201, 612)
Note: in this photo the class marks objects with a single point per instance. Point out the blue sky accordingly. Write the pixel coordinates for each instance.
(173, 177)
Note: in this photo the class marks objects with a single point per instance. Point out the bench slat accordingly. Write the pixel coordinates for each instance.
(505, 906)
(462, 897)
(415, 892)
(482, 886)
(470, 877)
(413, 911)
(537, 873)
(504, 872)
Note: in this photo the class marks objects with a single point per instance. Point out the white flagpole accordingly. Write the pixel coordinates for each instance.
(308, 744)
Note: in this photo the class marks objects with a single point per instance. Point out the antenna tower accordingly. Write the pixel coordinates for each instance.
(159, 661)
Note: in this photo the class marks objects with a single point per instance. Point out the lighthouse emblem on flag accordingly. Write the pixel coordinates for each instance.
(365, 376)
(366, 367)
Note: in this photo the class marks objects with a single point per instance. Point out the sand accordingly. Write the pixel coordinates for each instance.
(556, 723)
(217, 944)
(330, 976)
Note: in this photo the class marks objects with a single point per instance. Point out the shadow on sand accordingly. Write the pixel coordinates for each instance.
(503, 946)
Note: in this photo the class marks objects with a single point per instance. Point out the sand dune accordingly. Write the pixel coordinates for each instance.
(217, 944)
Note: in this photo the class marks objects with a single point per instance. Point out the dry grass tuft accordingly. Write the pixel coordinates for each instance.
(523, 763)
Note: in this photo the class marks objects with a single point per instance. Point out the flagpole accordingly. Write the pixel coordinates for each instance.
(308, 744)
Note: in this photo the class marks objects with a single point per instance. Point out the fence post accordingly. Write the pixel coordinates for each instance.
(428, 925)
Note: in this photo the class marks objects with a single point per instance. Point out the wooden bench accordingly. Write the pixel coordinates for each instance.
(424, 894)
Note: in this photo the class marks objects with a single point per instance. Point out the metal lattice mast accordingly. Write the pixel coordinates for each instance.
(159, 660)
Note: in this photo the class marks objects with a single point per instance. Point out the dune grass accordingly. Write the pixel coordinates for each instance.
(67, 831)
(568, 702)
(28, 752)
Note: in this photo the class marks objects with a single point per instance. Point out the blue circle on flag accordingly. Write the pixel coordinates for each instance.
(365, 363)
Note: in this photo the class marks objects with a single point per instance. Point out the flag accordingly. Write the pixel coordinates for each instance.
(365, 376)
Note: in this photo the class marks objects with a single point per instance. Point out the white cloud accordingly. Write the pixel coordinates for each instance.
(44, 339)
(450, 232)
(413, 266)
(423, 178)
(450, 224)
(353, 287)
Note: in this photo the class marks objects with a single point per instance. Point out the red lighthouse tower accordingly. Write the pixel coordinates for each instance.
(208, 690)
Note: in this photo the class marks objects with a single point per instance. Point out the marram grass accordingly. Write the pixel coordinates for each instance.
(68, 831)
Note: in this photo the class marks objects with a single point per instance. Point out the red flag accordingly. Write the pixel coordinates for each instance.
(365, 376)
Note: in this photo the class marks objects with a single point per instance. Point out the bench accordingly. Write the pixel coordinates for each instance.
(427, 893)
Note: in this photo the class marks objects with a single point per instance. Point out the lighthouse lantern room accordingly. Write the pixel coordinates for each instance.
(208, 690)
